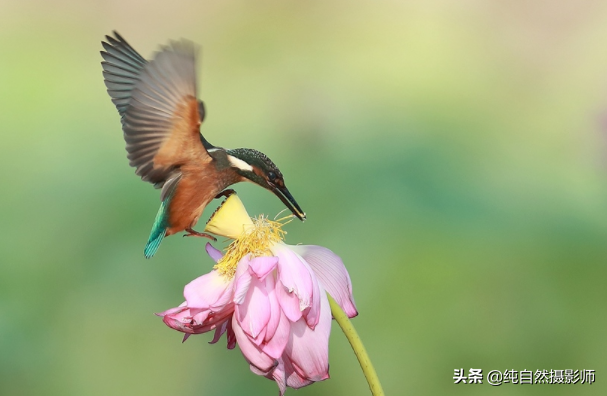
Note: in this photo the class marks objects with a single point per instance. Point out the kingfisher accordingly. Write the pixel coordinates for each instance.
(161, 116)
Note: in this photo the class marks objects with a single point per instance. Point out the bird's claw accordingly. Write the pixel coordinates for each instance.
(191, 232)
(225, 193)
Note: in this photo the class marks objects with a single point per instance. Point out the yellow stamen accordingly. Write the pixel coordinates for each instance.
(256, 241)
(254, 236)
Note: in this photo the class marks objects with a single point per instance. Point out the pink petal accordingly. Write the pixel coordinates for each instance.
(180, 321)
(289, 302)
(278, 375)
(243, 266)
(243, 279)
(213, 253)
(243, 282)
(293, 379)
(215, 318)
(250, 351)
(275, 345)
(257, 371)
(219, 331)
(295, 274)
(275, 311)
(184, 320)
(254, 312)
(231, 336)
(199, 316)
(312, 314)
(174, 311)
(308, 349)
(294, 261)
(262, 266)
(331, 273)
(211, 290)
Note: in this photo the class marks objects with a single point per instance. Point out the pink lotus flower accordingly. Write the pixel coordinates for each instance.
(268, 297)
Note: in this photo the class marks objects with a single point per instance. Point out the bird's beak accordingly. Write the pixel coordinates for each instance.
(287, 199)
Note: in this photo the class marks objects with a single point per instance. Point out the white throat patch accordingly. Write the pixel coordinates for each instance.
(240, 164)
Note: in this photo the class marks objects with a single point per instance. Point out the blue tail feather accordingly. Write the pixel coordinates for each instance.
(159, 229)
(153, 244)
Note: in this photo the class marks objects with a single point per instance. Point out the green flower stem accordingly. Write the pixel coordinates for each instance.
(358, 347)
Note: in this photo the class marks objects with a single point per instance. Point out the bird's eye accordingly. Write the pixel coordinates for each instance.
(271, 176)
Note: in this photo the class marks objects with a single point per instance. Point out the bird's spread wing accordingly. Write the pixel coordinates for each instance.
(162, 120)
(122, 68)
(164, 116)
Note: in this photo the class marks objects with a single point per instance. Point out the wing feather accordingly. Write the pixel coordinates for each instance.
(157, 105)
(122, 68)
(161, 123)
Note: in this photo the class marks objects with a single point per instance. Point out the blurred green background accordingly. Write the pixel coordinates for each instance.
(454, 153)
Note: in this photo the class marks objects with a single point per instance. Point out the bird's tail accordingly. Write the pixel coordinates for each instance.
(159, 229)
(156, 236)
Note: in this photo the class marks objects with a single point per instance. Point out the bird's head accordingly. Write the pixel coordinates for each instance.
(256, 167)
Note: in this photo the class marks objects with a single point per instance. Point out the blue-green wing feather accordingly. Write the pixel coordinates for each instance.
(161, 223)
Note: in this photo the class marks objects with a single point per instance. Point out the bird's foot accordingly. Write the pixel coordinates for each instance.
(225, 193)
(191, 232)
